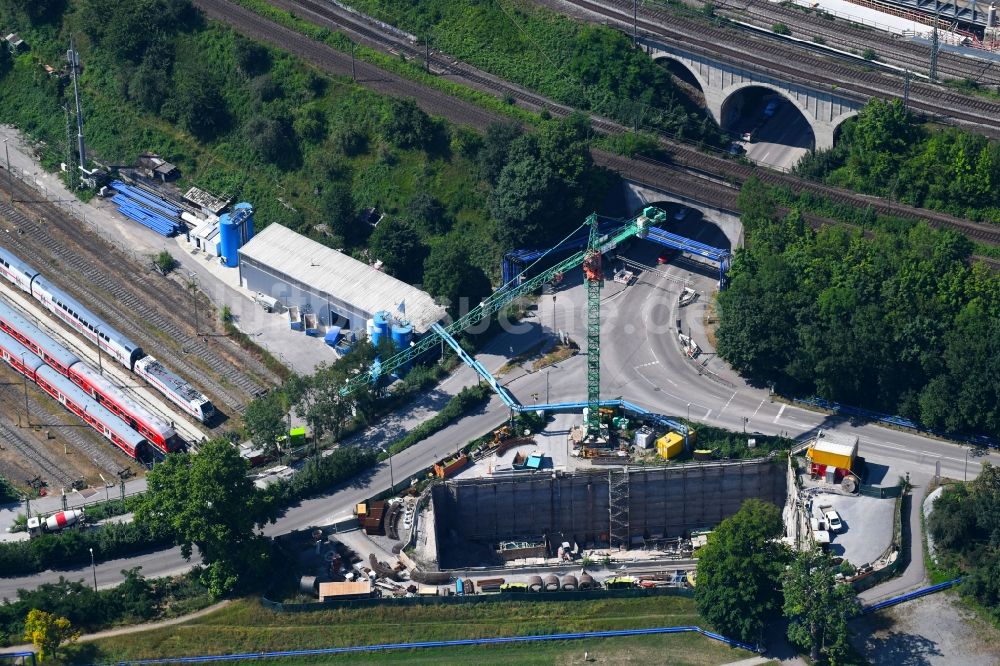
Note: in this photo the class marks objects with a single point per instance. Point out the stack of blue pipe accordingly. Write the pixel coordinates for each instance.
(147, 209)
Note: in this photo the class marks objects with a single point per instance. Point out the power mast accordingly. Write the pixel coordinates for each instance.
(74, 66)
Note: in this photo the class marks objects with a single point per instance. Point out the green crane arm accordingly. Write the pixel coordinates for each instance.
(496, 302)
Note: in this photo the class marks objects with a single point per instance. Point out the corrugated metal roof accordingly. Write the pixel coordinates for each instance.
(836, 443)
(343, 277)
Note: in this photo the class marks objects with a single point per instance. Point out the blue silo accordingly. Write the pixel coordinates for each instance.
(235, 229)
(402, 334)
(380, 327)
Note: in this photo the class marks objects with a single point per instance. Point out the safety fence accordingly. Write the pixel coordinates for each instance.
(474, 642)
(910, 596)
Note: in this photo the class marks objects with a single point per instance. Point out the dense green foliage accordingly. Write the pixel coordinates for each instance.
(208, 500)
(135, 600)
(884, 151)
(965, 525)
(818, 607)
(740, 569)
(593, 68)
(8, 493)
(72, 547)
(899, 323)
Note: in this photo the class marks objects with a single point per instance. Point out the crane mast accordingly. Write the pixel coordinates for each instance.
(590, 259)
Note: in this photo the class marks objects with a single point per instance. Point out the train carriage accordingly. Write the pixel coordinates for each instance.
(32, 337)
(16, 271)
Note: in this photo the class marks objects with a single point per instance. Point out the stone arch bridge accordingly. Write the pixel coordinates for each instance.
(824, 110)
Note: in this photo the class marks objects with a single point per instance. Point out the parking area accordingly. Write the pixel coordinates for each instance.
(867, 525)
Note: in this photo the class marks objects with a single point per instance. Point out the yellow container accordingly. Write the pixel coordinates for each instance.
(829, 458)
(670, 445)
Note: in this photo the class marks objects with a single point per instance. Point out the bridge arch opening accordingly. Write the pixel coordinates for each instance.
(685, 78)
(770, 126)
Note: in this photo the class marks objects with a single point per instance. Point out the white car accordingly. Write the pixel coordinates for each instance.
(833, 520)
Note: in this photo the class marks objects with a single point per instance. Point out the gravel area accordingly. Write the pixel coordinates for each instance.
(867, 527)
(936, 630)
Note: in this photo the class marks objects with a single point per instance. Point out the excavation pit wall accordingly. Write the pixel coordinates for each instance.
(473, 515)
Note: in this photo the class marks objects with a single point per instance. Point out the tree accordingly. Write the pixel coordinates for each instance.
(273, 140)
(207, 500)
(450, 278)
(527, 203)
(251, 57)
(165, 262)
(337, 207)
(265, 420)
(495, 149)
(198, 104)
(396, 244)
(739, 571)
(817, 606)
(406, 125)
(47, 632)
(427, 214)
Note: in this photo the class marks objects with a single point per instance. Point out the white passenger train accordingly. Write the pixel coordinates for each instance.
(111, 342)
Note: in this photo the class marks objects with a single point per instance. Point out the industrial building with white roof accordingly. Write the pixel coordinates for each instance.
(339, 289)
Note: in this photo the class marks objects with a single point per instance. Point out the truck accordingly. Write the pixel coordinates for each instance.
(55, 522)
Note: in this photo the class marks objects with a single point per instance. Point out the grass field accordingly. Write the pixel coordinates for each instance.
(246, 626)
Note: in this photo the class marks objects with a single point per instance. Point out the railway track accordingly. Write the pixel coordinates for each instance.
(847, 36)
(790, 64)
(705, 178)
(40, 460)
(126, 298)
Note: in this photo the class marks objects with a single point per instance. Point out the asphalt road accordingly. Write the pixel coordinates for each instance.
(641, 361)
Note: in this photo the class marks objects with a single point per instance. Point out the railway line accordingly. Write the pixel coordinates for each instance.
(47, 467)
(790, 64)
(705, 178)
(846, 36)
(130, 295)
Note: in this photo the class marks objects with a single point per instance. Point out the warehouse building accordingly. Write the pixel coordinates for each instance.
(340, 290)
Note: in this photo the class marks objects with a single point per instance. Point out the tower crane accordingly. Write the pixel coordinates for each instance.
(589, 259)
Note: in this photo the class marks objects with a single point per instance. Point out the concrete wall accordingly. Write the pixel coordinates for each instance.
(638, 195)
(255, 277)
(663, 502)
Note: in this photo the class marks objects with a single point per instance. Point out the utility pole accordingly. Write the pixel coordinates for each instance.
(354, 71)
(10, 178)
(635, 22)
(24, 379)
(427, 54)
(100, 362)
(906, 90)
(932, 74)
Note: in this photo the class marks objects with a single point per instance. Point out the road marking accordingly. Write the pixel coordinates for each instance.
(758, 408)
(728, 401)
(706, 414)
(780, 412)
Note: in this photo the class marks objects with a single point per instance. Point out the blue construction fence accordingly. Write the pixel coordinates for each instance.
(910, 596)
(476, 642)
(899, 421)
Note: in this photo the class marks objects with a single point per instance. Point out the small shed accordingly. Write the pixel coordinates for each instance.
(354, 589)
(15, 44)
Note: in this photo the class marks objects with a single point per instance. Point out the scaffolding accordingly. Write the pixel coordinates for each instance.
(618, 503)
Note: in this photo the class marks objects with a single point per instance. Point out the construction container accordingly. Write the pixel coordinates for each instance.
(670, 445)
(490, 584)
(297, 436)
(459, 587)
(551, 583)
(535, 584)
(294, 318)
(569, 582)
(448, 469)
(620, 583)
(833, 450)
(586, 581)
(644, 438)
(311, 323)
(703, 454)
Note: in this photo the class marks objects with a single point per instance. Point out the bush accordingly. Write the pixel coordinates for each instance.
(780, 29)
(869, 54)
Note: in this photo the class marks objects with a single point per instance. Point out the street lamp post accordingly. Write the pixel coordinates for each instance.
(93, 567)
(392, 479)
(966, 465)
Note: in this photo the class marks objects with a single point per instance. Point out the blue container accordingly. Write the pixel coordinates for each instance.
(382, 322)
(235, 229)
(402, 334)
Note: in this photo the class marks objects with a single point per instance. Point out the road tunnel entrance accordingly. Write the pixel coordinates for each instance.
(767, 125)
